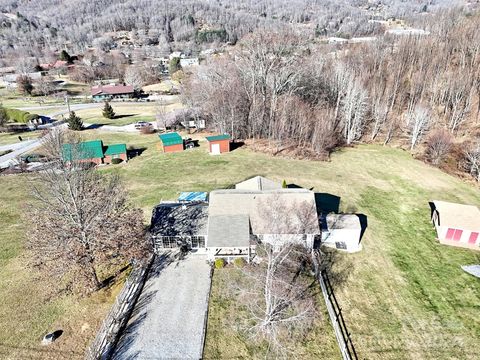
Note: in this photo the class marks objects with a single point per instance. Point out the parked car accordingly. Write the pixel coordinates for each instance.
(189, 143)
(30, 158)
(142, 124)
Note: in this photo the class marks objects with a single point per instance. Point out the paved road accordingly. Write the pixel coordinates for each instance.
(169, 317)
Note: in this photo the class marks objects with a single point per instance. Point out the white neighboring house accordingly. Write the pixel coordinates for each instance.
(175, 54)
(186, 62)
(342, 231)
(10, 80)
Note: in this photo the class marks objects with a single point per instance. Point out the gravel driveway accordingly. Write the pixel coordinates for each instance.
(168, 320)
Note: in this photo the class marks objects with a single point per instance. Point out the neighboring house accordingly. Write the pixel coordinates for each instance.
(187, 62)
(108, 92)
(10, 80)
(218, 144)
(175, 54)
(234, 221)
(94, 152)
(456, 224)
(171, 142)
(56, 65)
(342, 231)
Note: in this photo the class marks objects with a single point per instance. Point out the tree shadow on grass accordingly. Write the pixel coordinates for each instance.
(123, 116)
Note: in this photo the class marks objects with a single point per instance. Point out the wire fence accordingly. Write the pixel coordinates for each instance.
(107, 337)
(342, 334)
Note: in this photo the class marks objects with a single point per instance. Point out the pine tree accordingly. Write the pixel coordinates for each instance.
(108, 112)
(284, 184)
(74, 122)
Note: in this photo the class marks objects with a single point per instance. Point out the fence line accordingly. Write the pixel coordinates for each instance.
(107, 337)
(342, 334)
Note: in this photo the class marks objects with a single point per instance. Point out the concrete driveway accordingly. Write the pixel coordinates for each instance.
(168, 320)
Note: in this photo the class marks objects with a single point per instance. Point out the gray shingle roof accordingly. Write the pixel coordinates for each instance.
(258, 183)
(343, 221)
(296, 208)
(228, 231)
(174, 219)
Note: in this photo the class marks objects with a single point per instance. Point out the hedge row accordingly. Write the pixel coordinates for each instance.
(20, 116)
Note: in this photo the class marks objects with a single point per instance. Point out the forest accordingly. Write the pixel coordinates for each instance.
(419, 92)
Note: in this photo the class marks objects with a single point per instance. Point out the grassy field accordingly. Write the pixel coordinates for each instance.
(11, 138)
(404, 296)
(223, 342)
(126, 113)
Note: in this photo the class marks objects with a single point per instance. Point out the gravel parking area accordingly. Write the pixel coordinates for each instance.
(168, 320)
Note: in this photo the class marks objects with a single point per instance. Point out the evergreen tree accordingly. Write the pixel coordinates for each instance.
(108, 112)
(65, 56)
(74, 122)
(174, 65)
(284, 184)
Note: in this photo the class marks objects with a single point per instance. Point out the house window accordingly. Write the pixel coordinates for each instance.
(341, 245)
(115, 156)
(198, 242)
(170, 242)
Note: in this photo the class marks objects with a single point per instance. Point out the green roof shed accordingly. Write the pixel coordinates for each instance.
(84, 150)
(170, 139)
(116, 149)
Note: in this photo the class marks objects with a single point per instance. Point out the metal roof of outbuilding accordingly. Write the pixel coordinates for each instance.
(172, 138)
(218, 137)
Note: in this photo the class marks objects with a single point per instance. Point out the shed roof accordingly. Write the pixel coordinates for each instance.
(179, 219)
(258, 183)
(298, 213)
(116, 149)
(218, 137)
(172, 138)
(343, 221)
(458, 216)
(228, 231)
(85, 150)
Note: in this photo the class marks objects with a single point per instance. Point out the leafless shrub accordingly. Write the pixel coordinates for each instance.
(472, 158)
(439, 143)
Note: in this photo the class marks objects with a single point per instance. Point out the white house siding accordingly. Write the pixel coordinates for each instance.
(336, 238)
(462, 242)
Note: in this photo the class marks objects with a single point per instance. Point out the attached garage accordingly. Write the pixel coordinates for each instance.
(456, 224)
(342, 232)
(218, 144)
(171, 142)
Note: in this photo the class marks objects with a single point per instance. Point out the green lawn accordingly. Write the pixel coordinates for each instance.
(11, 138)
(224, 342)
(125, 113)
(404, 296)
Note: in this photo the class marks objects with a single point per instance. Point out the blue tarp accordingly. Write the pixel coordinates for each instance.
(193, 196)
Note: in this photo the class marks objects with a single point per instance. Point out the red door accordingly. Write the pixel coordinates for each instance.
(450, 233)
(473, 238)
(458, 235)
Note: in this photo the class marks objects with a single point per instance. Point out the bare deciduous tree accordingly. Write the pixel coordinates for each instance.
(419, 120)
(472, 157)
(279, 293)
(81, 219)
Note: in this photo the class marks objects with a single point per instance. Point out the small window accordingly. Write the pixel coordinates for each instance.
(458, 235)
(341, 245)
(450, 233)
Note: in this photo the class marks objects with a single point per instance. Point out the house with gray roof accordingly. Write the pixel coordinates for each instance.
(235, 220)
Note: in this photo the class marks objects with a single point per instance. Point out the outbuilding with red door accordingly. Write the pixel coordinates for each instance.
(218, 144)
(171, 142)
(456, 224)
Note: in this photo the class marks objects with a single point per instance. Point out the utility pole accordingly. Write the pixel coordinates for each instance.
(68, 103)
